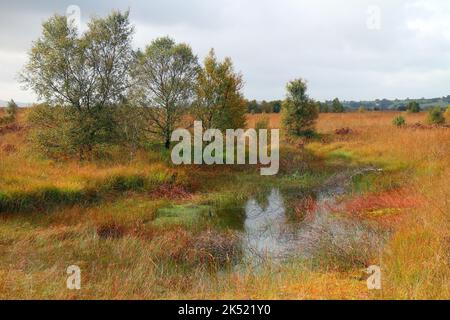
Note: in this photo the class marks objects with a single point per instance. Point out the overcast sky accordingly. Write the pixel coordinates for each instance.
(351, 49)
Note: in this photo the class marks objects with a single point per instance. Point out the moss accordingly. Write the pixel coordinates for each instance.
(188, 215)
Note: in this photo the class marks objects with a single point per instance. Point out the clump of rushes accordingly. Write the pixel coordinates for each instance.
(399, 121)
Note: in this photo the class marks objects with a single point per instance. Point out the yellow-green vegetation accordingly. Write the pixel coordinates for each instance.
(148, 229)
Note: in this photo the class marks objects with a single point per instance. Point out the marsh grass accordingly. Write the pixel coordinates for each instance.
(125, 252)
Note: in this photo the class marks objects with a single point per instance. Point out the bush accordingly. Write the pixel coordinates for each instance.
(436, 116)
(447, 112)
(399, 121)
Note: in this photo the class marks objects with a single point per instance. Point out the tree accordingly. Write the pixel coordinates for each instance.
(323, 107)
(83, 76)
(361, 109)
(165, 75)
(219, 103)
(11, 112)
(337, 106)
(276, 106)
(253, 107)
(299, 111)
(414, 107)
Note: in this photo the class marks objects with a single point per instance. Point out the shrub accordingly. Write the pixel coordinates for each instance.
(436, 116)
(447, 112)
(399, 121)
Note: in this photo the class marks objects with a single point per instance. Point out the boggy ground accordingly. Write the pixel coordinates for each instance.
(149, 230)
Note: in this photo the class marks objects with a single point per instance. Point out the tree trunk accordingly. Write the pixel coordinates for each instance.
(167, 144)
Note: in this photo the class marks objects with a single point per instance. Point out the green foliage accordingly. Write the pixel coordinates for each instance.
(324, 107)
(435, 116)
(337, 106)
(299, 111)
(254, 106)
(61, 131)
(165, 75)
(11, 112)
(82, 78)
(413, 107)
(219, 103)
(361, 109)
(399, 121)
(43, 199)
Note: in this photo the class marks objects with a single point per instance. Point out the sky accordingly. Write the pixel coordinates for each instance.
(351, 49)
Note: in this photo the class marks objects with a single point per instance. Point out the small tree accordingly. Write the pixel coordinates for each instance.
(11, 109)
(399, 121)
(165, 75)
(11, 112)
(414, 107)
(436, 116)
(299, 111)
(361, 109)
(337, 106)
(220, 103)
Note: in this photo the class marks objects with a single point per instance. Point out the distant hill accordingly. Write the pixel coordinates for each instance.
(3, 103)
(396, 104)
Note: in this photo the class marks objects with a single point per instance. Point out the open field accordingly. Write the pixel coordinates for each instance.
(148, 229)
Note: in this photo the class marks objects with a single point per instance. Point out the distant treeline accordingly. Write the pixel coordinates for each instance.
(397, 104)
(335, 105)
(254, 106)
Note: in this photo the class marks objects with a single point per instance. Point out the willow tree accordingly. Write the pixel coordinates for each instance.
(219, 103)
(81, 77)
(165, 76)
(299, 111)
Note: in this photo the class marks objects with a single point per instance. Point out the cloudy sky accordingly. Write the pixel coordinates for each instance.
(351, 49)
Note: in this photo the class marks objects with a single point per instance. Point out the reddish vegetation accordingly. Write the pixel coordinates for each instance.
(420, 126)
(111, 231)
(9, 148)
(343, 131)
(305, 206)
(170, 191)
(14, 127)
(394, 199)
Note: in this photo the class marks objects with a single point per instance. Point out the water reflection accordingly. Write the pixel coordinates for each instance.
(270, 234)
(267, 231)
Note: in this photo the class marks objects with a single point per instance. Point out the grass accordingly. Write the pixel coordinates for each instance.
(145, 229)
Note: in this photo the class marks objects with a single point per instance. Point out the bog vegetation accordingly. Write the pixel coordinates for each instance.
(86, 179)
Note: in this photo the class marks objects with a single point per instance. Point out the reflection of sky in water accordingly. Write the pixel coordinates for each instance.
(266, 229)
(270, 234)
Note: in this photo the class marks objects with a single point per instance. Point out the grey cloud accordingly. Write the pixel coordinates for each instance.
(326, 42)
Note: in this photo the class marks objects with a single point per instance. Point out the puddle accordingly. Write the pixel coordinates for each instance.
(270, 233)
